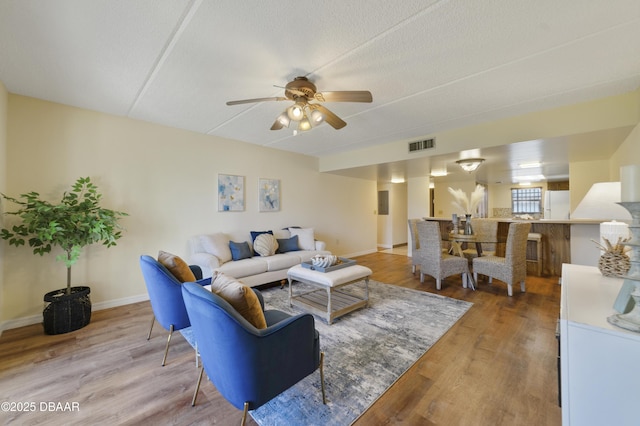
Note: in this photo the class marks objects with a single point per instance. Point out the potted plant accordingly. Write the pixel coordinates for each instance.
(77, 221)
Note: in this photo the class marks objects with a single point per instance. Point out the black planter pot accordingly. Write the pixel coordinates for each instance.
(66, 312)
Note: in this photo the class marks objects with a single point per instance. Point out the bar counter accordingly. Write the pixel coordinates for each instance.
(557, 242)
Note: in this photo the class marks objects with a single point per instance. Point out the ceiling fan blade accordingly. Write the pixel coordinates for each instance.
(333, 120)
(250, 101)
(345, 96)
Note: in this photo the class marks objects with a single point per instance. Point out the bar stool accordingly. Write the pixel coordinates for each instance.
(537, 239)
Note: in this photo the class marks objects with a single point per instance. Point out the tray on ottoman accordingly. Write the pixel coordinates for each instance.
(344, 262)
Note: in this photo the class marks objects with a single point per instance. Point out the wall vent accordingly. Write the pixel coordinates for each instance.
(422, 145)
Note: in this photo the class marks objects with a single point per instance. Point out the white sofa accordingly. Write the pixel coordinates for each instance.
(212, 252)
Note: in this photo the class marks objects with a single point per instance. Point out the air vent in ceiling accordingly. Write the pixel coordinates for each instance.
(422, 145)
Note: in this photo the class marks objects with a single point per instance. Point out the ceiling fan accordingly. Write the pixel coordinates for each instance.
(306, 111)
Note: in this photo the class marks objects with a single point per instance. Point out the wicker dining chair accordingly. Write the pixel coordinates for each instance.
(417, 255)
(512, 268)
(437, 264)
(485, 230)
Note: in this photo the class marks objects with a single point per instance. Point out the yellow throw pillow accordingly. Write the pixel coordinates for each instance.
(240, 296)
(176, 266)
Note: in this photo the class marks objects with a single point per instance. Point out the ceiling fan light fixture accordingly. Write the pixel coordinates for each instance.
(295, 112)
(317, 117)
(470, 164)
(304, 124)
(284, 119)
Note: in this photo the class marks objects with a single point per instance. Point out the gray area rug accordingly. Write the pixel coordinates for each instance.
(366, 351)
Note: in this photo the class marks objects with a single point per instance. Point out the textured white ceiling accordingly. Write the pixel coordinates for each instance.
(430, 65)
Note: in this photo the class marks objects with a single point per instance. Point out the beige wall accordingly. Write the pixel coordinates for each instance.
(399, 214)
(583, 175)
(166, 179)
(628, 153)
(442, 199)
(606, 113)
(392, 228)
(4, 100)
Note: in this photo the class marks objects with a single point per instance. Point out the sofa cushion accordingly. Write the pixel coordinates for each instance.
(265, 245)
(240, 251)
(306, 239)
(244, 267)
(218, 245)
(288, 244)
(241, 297)
(282, 261)
(176, 266)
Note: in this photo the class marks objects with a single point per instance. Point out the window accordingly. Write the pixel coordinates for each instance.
(526, 200)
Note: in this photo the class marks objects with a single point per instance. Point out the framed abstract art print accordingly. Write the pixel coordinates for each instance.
(269, 195)
(230, 193)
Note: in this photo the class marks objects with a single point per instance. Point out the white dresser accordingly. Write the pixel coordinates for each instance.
(599, 363)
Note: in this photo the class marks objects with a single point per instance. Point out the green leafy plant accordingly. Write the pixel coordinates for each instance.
(77, 221)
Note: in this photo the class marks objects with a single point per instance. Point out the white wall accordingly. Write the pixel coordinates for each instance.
(166, 179)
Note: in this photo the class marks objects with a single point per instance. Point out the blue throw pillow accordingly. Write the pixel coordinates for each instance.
(254, 234)
(288, 244)
(239, 250)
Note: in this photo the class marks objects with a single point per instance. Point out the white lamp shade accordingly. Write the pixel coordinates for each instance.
(295, 112)
(304, 124)
(284, 119)
(613, 231)
(316, 117)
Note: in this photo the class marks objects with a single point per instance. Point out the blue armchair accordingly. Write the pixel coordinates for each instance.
(250, 366)
(166, 297)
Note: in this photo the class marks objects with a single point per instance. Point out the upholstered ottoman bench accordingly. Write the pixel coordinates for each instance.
(326, 299)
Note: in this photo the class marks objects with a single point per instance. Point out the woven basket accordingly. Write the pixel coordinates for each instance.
(66, 312)
(614, 264)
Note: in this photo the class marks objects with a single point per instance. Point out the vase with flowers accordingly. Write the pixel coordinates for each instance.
(468, 204)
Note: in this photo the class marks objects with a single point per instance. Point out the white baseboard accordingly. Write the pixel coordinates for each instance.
(119, 302)
(20, 322)
(359, 253)
(36, 319)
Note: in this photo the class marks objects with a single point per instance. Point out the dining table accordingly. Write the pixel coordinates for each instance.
(457, 240)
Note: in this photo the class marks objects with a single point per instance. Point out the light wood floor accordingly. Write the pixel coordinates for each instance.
(496, 366)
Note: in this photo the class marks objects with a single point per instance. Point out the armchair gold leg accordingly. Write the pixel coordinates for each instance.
(195, 394)
(153, 319)
(244, 413)
(324, 398)
(166, 349)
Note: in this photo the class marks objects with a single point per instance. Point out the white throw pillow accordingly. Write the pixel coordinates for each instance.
(265, 245)
(306, 239)
(218, 245)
